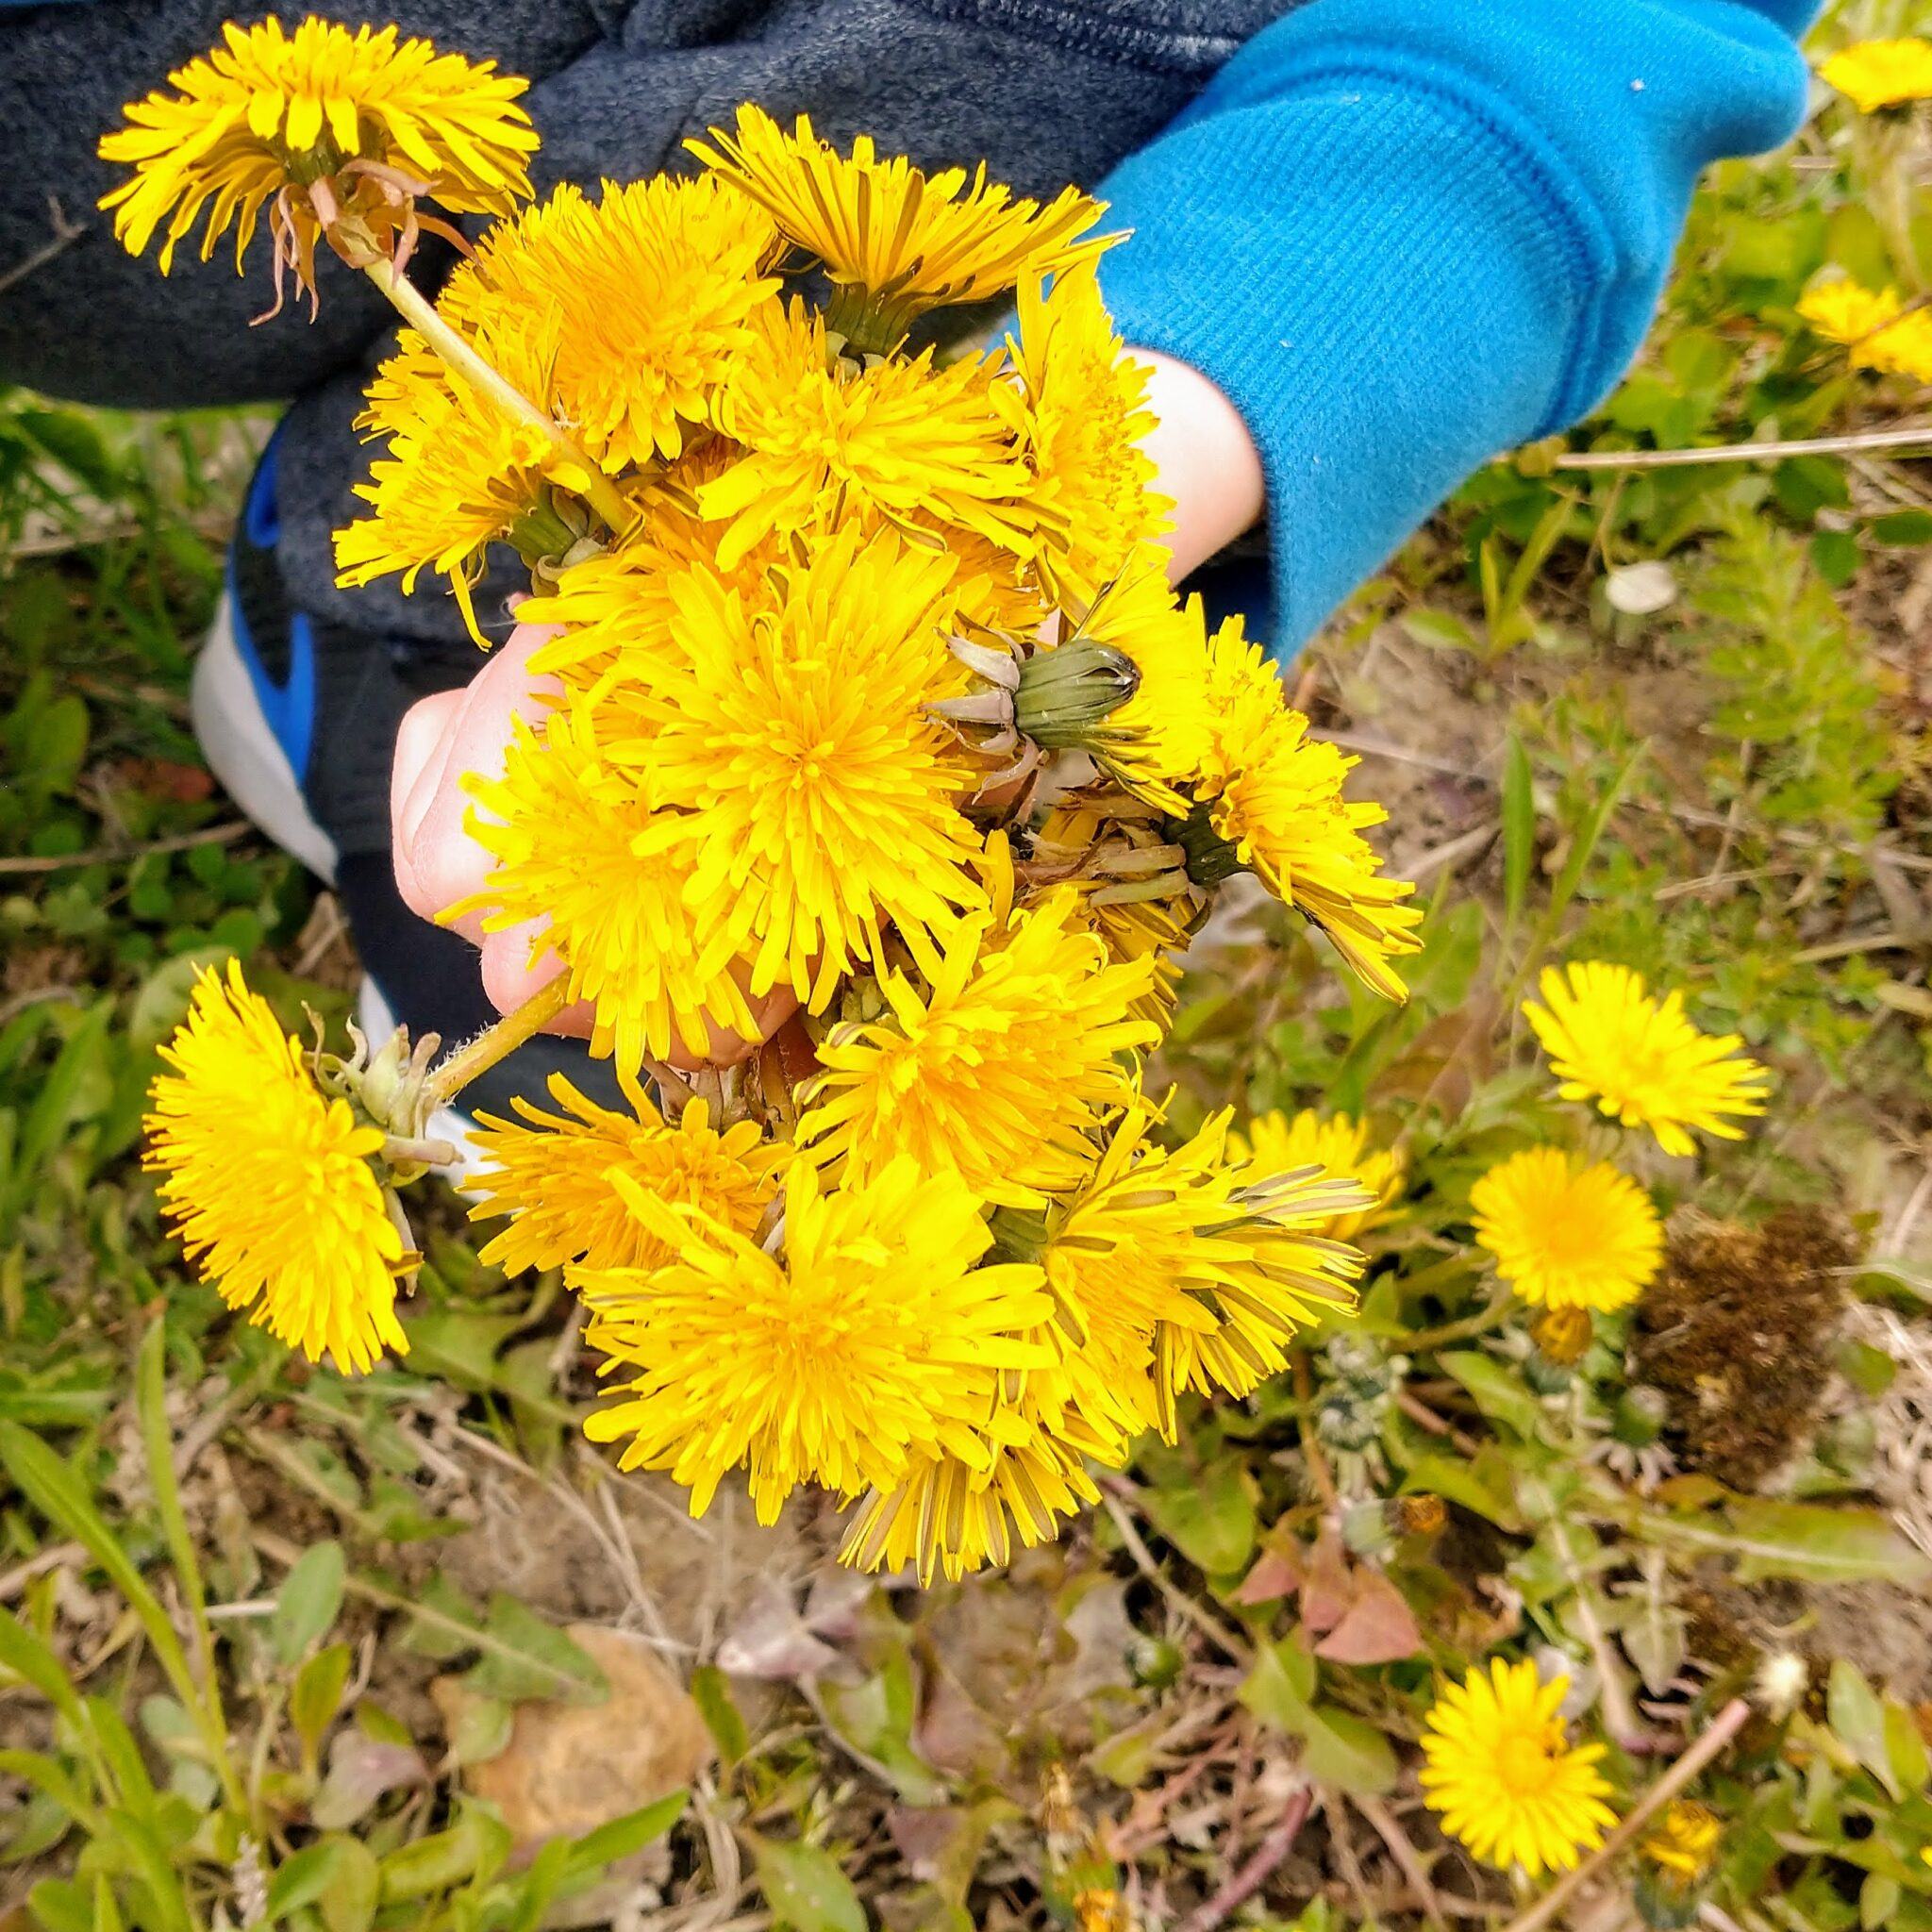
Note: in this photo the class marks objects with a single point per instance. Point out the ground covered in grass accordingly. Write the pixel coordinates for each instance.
(406, 1651)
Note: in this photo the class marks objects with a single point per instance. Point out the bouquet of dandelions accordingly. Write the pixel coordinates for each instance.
(873, 695)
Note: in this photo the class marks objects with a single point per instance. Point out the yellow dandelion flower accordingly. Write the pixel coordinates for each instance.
(269, 1183)
(553, 1175)
(1500, 1769)
(1567, 1233)
(1874, 325)
(1250, 1246)
(1081, 413)
(894, 240)
(1684, 1841)
(1274, 796)
(565, 829)
(1338, 1144)
(953, 1516)
(872, 1340)
(818, 791)
(457, 480)
(268, 111)
(1639, 1059)
(1882, 74)
(995, 1068)
(900, 442)
(653, 287)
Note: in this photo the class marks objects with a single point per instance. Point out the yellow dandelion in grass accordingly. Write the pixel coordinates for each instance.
(819, 792)
(269, 1183)
(894, 240)
(553, 1175)
(1640, 1060)
(901, 442)
(992, 1069)
(1684, 1841)
(1274, 795)
(268, 111)
(564, 829)
(873, 1338)
(1081, 412)
(1339, 1144)
(1500, 1769)
(1567, 1233)
(1882, 74)
(1877, 330)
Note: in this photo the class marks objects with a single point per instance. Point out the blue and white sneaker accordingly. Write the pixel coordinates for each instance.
(297, 718)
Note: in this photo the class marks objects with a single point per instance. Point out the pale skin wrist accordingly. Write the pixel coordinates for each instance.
(1204, 459)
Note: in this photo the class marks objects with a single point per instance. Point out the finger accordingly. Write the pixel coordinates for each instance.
(727, 1046)
(514, 970)
(422, 752)
(449, 862)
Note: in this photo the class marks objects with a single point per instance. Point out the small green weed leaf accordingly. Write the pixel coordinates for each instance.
(1857, 1715)
(711, 1691)
(481, 1729)
(1813, 1543)
(317, 1695)
(1340, 1749)
(1475, 1484)
(1902, 528)
(623, 1836)
(1281, 1685)
(354, 1887)
(61, 1906)
(524, 1658)
(476, 1842)
(1499, 1392)
(1208, 1517)
(23, 1653)
(301, 1880)
(806, 1889)
(309, 1600)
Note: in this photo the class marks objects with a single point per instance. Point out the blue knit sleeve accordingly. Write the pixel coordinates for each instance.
(1403, 234)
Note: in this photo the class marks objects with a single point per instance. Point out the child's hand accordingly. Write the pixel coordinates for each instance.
(438, 863)
(1206, 462)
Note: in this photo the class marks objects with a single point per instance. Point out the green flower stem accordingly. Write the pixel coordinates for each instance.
(498, 1042)
(1493, 1316)
(1719, 1733)
(419, 313)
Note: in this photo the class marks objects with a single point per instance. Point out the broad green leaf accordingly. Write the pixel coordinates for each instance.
(354, 1887)
(806, 1889)
(1813, 1544)
(1456, 1481)
(309, 1600)
(711, 1691)
(525, 1658)
(1499, 1391)
(1208, 1517)
(476, 1841)
(1340, 1749)
(1857, 1715)
(61, 1906)
(301, 1880)
(317, 1695)
(1281, 1685)
(623, 1835)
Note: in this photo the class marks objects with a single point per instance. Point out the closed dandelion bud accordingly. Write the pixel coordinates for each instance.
(1420, 1515)
(1346, 1421)
(1640, 1417)
(1367, 1529)
(1562, 1335)
(1066, 695)
(1156, 1662)
(1544, 1376)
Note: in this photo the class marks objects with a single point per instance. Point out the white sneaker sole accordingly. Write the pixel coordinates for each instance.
(243, 753)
